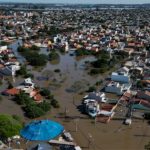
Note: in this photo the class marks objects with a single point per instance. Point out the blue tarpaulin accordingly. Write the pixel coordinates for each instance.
(42, 130)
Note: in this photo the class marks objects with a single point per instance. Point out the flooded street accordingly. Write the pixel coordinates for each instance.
(73, 71)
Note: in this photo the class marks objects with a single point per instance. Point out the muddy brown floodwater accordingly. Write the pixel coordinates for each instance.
(91, 136)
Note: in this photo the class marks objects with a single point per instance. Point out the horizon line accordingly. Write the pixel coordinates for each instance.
(75, 3)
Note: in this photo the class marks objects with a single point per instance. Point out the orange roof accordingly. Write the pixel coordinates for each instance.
(1, 66)
(147, 93)
(146, 81)
(127, 94)
(38, 98)
(13, 91)
(131, 44)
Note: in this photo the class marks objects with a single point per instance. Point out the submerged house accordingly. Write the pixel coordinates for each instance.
(27, 87)
(98, 96)
(9, 70)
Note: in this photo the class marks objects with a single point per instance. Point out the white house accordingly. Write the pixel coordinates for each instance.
(122, 75)
(98, 96)
(3, 48)
(117, 88)
(10, 70)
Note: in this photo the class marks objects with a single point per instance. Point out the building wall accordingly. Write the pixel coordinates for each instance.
(144, 96)
(120, 78)
(113, 89)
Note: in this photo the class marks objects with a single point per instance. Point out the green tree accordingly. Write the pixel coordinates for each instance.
(147, 146)
(53, 55)
(35, 48)
(10, 86)
(91, 89)
(45, 106)
(55, 103)
(22, 71)
(45, 92)
(9, 126)
(33, 111)
(22, 99)
(5, 57)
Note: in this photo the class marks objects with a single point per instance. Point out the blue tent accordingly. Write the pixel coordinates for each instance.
(42, 130)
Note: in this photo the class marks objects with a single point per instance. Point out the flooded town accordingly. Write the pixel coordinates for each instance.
(74, 76)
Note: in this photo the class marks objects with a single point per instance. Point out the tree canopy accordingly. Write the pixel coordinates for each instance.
(9, 126)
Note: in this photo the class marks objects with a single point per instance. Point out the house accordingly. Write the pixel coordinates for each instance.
(28, 82)
(98, 96)
(28, 88)
(144, 95)
(9, 70)
(122, 75)
(117, 88)
(12, 92)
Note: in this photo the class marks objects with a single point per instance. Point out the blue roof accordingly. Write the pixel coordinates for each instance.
(42, 130)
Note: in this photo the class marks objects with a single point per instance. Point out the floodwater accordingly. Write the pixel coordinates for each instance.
(111, 136)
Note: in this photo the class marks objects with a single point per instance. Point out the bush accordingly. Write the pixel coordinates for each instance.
(147, 116)
(99, 82)
(147, 146)
(45, 106)
(33, 111)
(22, 71)
(95, 71)
(55, 103)
(10, 86)
(35, 48)
(53, 55)
(45, 92)
(57, 70)
(91, 89)
(83, 52)
(22, 99)
(29, 75)
(9, 126)
(23, 49)
(100, 63)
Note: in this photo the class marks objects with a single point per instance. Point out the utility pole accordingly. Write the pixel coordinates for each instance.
(66, 112)
(90, 139)
(76, 124)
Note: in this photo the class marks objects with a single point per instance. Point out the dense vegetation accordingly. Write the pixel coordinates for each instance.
(147, 146)
(9, 126)
(23, 72)
(33, 109)
(83, 52)
(104, 62)
(32, 55)
(53, 55)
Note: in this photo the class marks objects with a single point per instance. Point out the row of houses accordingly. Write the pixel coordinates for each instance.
(8, 62)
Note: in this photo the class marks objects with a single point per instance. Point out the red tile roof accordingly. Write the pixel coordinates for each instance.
(13, 91)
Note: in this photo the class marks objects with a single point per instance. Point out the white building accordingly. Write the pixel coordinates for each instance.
(122, 75)
(117, 88)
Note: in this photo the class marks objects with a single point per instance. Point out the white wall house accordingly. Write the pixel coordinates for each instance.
(3, 48)
(117, 88)
(10, 70)
(122, 75)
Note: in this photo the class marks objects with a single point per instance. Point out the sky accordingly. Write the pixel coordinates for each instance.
(82, 1)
